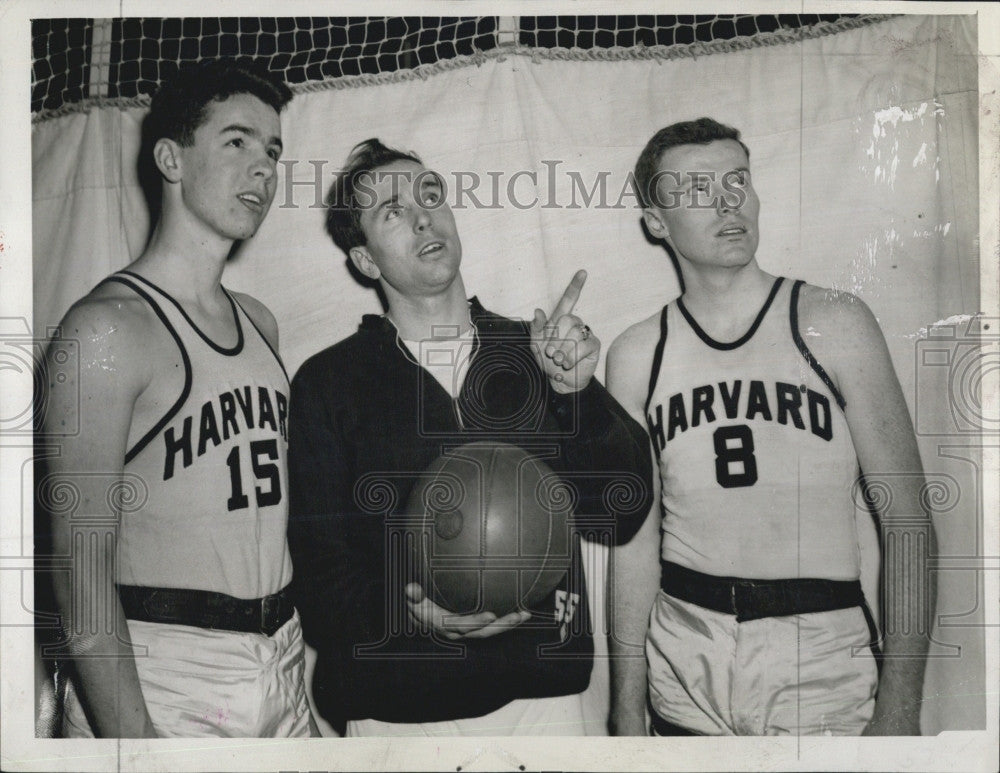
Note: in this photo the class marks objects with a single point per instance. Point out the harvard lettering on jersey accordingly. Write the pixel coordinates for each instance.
(778, 402)
(209, 440)
(218, 420)
(756, 460)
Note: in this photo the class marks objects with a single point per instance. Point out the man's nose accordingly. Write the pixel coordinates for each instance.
(727, 202)
(422, 219)
(263, 166)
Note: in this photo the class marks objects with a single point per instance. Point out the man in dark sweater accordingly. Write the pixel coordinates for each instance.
(371, 412)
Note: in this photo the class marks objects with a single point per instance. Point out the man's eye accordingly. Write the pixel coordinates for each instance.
(391, 213)
(432, 197)
(236, 142)
(274, 153)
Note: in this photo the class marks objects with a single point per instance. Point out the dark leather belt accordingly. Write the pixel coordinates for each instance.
(659, 726)
(206, 609)
(756, 599)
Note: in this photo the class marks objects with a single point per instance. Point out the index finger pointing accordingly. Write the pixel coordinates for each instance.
(570, 296)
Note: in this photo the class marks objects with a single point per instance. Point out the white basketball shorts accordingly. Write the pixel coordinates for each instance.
(811, 674)
(203, 682)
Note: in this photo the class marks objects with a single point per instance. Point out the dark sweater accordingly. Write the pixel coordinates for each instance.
(365, 420)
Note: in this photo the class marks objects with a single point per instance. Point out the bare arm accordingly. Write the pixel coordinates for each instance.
(89, 465)
(635, 580)
(887, 451)
(635, 575)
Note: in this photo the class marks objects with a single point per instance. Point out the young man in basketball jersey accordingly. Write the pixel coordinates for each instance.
(369, 414)
(762, 396)
(178, 619)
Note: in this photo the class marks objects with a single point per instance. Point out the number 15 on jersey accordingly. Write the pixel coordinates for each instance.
(266, 476)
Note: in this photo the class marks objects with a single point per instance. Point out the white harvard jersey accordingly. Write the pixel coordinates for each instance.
(756, 461)
(212, 455)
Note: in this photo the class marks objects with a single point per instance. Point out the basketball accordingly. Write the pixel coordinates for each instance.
(489, 529)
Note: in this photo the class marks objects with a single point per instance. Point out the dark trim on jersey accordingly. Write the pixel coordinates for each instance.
(742, 339)
(260, 333)
(185, 392)
(236, 349)
(793, 313)
(654, 372)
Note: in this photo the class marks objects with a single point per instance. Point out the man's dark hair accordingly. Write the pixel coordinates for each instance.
(343, 216)
(699, 132)
(179, 106)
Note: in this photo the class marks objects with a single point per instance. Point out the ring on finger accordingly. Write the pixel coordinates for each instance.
(585, 332)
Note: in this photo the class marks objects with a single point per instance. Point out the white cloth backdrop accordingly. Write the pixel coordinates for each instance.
(864, 153)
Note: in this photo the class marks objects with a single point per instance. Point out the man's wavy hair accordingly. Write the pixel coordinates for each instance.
(343, 215)
(699, 132)
(180, 105)
(178, 108)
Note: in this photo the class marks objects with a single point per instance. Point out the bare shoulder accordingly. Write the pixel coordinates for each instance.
(636, 342)
(630, 358)
(834, 319)
(116, 338)
(110, 317)
(260, 314)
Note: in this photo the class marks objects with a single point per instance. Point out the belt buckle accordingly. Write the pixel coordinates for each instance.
(270, 608)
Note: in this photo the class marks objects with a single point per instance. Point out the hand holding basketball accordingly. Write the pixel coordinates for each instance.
(564, 347)
(489, 539)
(426, 614)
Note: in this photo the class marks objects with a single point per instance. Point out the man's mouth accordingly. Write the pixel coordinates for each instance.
(732, 230)
(252, 201)
(431, 248)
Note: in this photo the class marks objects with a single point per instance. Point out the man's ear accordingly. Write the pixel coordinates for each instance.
(362, 260)
(167, 155)
(654, 223)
